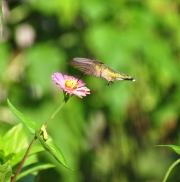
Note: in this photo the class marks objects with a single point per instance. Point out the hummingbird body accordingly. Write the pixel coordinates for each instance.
(98, 69)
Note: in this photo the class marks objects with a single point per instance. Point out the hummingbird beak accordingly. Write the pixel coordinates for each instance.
(80, 77)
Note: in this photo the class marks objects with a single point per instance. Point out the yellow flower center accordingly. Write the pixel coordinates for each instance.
(71, 84)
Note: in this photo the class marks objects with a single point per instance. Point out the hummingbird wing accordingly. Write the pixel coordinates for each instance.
(98, 69)
(87, 66)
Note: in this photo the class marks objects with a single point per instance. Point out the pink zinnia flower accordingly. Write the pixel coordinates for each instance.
(70, 85)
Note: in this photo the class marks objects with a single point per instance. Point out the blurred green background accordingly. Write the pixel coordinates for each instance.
(109, 135)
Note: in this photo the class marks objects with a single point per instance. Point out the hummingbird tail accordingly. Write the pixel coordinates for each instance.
(130, 79)
(126, 77)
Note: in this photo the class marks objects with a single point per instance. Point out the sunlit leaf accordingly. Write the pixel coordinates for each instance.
(1, 142)
(175, 148)
(16, 140)
(5, 172)
(30, 124)
(53, 149)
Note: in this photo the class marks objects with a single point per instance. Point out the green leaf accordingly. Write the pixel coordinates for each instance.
(30, 124)
(52, 148)
(16, 140)
(18, 157)
(1, 142)
(5, 172)
(34, 168)
(175, 148)
(36, 149)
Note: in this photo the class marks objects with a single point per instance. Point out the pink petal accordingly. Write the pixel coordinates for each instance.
(60, 80)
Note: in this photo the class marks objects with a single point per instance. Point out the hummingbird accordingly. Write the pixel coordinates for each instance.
(98, 69)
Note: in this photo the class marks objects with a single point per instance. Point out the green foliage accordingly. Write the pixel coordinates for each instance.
(5, 172)
(174, 148)
(12, 143)
(1, 19)
(13, 146)
(33, 168)
(31, 125)
(35, 150)
(14, 140)
(110, 134)
(52, 148)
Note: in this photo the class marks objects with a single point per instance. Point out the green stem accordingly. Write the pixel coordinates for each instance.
(57, 110)
(169, 170)
(66, 97)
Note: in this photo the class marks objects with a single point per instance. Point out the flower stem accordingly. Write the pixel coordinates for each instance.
(66, 97)
(23, 160)
(56, 111)
(169, 170)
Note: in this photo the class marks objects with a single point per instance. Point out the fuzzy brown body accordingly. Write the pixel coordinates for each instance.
(98, 69)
